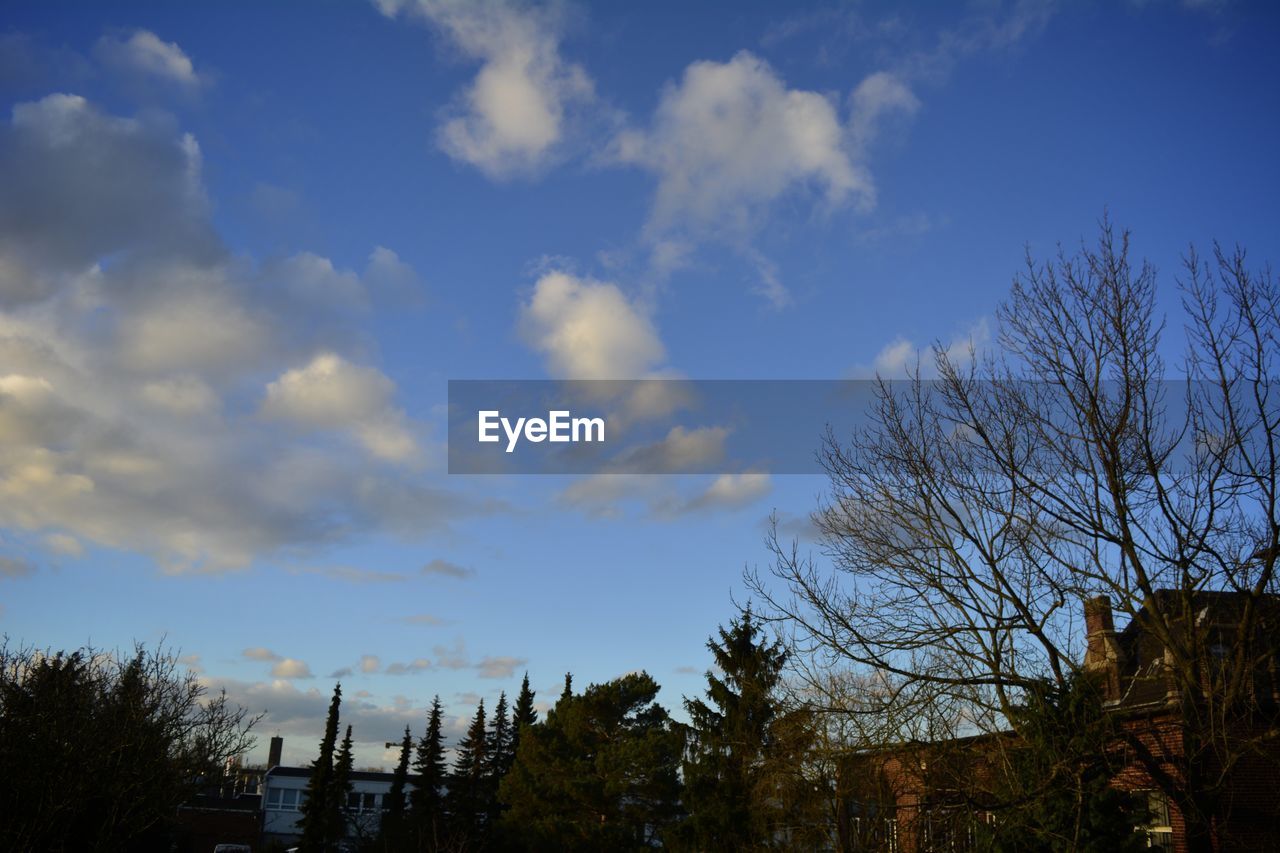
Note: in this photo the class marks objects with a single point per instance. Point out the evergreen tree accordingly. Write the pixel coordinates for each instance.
(468, 783)
(393, 822)
(426, 809)
(316, 809)
(736, 764)
(599, 774)
(523, 714)
(499, 758)
(340, 790)
(567, 693)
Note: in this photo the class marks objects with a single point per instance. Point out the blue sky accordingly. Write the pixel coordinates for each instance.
(242, 253)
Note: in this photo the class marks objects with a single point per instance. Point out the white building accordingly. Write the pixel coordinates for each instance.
(284, 789)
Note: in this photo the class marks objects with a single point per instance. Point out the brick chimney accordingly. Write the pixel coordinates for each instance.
(277, 747)
(1103, 655)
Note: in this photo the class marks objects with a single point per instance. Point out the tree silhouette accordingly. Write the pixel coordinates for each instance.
(319, 809)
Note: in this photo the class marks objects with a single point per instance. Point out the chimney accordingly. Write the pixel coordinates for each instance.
(277, 747)
(1102, 655)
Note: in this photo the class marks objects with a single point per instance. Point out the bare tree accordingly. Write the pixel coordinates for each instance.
(970, 522)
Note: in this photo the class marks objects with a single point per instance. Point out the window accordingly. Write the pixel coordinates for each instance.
(1153, 819)
(285, 799)
(359, 801)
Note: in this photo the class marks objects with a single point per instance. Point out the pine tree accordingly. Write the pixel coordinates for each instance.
(393, 823)
(315, 821)
(522, 715)
(499, 744)
(567, 693)
(425, 806)
(599, 774)
(468, 804)
(340, 789)
(499, 758)
(731, 788)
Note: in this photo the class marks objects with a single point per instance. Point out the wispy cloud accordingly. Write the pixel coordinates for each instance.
(448, 569)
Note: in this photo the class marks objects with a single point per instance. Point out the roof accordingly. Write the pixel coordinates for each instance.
(356, 775)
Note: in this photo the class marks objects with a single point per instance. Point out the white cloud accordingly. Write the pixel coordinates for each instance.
(129, 335)
(61, 543)
(328, 392)
(331, 393)
(731, 137)
(260, 653)
(681, 450)
(370, 663)
(146, 54)
(588, 329)
(409, 667)
(730, 491)
(513, 116)
(500, 667)
(876, 98)
(185, 396)
(662, 497)
(902, 358)
(290, 668)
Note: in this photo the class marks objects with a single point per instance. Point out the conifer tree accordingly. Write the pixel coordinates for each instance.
(392, 828)
(468, 804)
(316, 821)
(499, 758)
(567, 693)
(499, 744)
(599, 774)
(340, 789)
(425, 805)
(734, 746)
(523, 714)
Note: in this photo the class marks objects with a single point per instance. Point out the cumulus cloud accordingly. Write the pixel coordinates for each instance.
(731, 137)
(902, 358)
(499, 667)
(143, 54)
(260, 653)
(589, 329)
(370, 663)
(128, 335)
(290, 668)
(513, 116)
(331, 393)
(730, 140)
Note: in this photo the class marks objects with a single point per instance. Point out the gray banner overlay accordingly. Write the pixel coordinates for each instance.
(678, 426)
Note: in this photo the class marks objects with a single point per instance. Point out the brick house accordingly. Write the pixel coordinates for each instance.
(926, 797)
